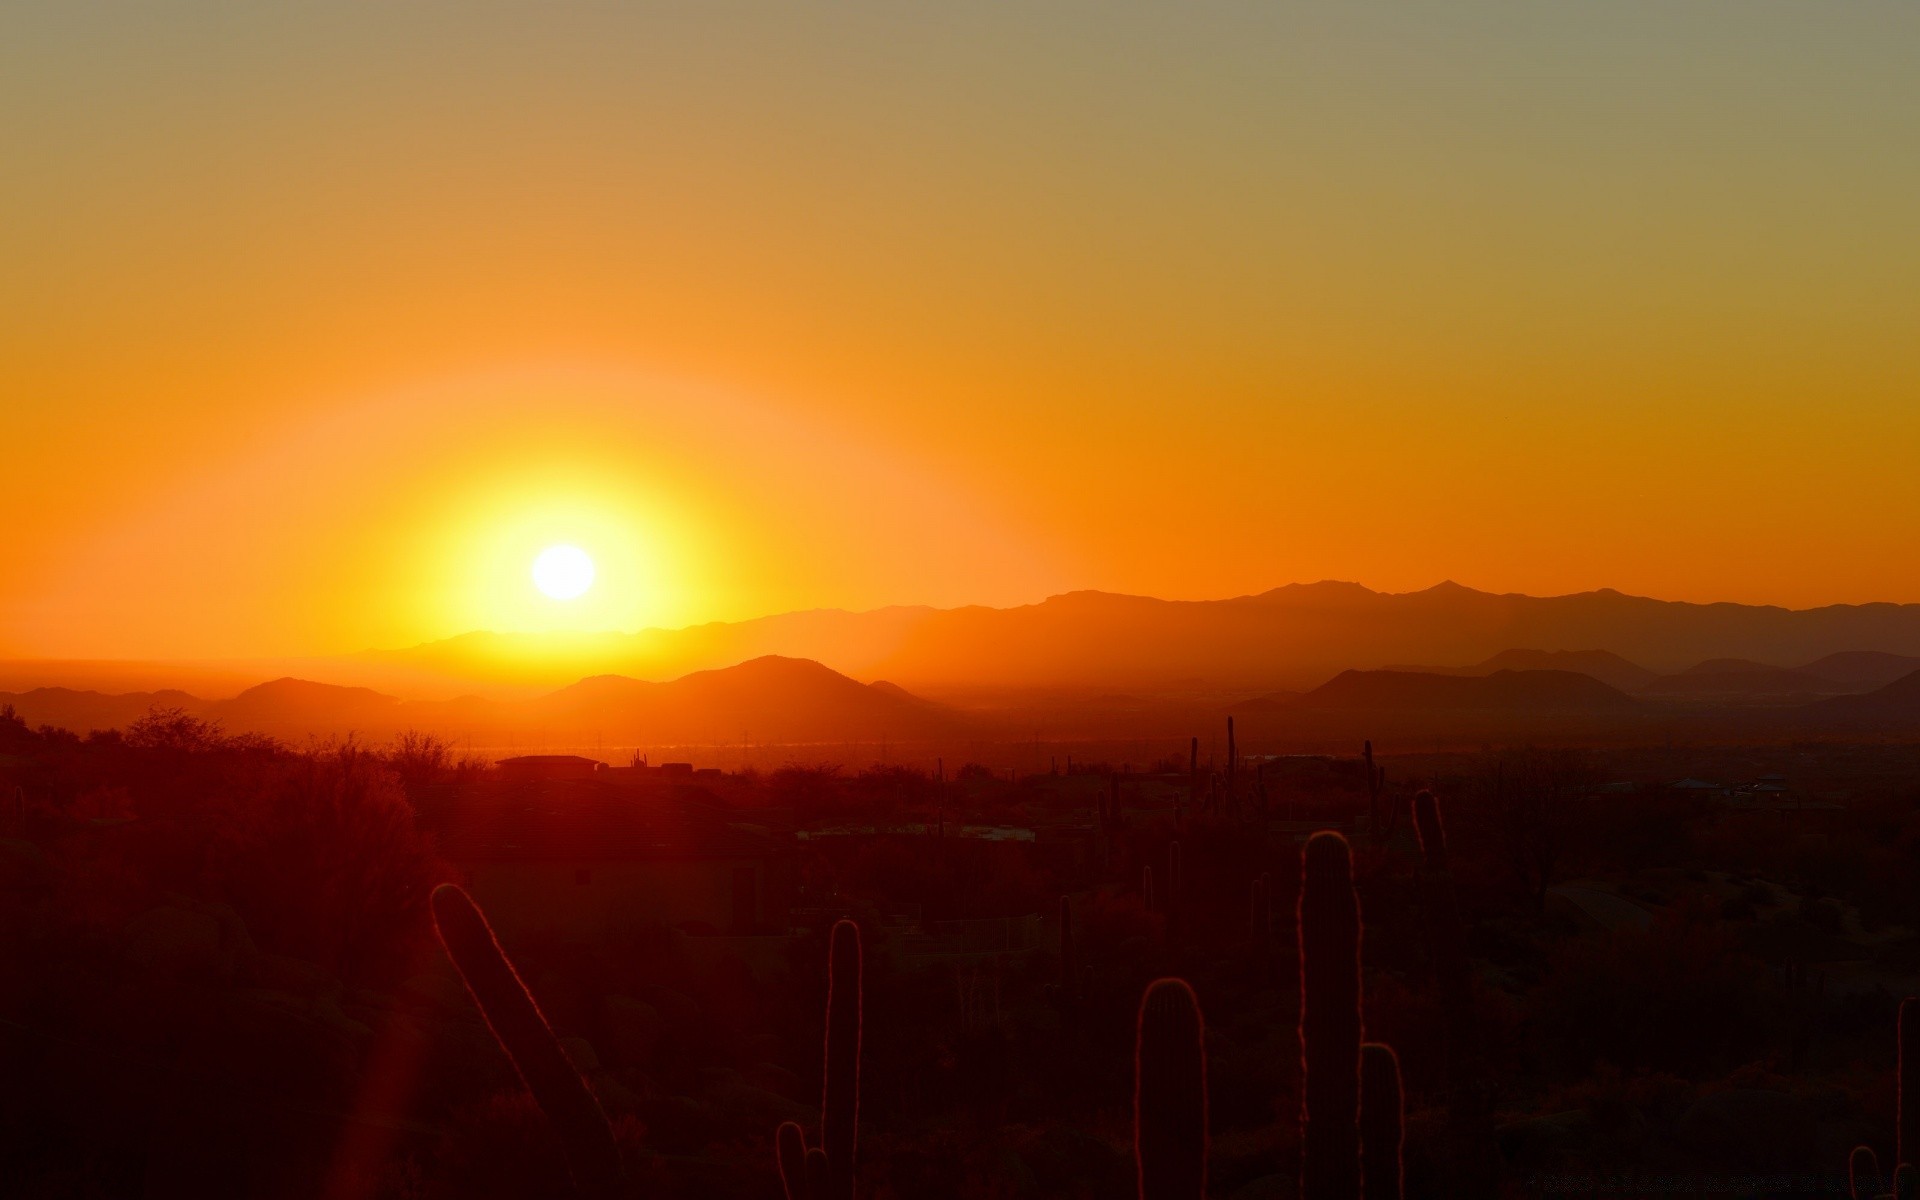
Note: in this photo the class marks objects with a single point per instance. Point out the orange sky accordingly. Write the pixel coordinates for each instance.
(317, 321)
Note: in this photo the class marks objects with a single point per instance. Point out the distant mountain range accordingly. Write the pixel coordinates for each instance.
(1506, 692)
(1291, 638)
(1725, 681)
(1896, 705)
(770, 699)
(1294, 637)
(776, 701)
(1299, 658)
(1607, 667)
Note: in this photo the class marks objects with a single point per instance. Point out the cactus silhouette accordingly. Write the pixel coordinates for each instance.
(1329, 916)
(1863, 1167)
(1864, 1181)
(516, 1022)
(1071, 987)
(1444, 931)
(1805, 992)
(1233, 756)
(1170, 1094)
(826, 1171)
(1907, 1113)
(1067, 971)
(1351, 1098)
(1381, 1108)
(1443, 916)
(790, 1152)
(1376, 782)
(1469, 1111)
(1373, 793)
(1433, 836)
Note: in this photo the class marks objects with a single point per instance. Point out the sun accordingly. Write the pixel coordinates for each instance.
(563, 572)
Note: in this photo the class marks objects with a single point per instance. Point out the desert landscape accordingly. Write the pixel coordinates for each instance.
(1251, 600)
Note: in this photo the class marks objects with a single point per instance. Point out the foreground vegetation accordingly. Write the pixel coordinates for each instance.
(220, 976)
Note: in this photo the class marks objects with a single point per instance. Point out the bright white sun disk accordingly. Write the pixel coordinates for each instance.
(563, 572)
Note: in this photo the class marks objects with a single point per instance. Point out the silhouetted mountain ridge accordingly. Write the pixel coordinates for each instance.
(769, 699)
(1607, 667)
(1864, 668)
(1516, 692)
(81, 710)
(1287, 637)
(1897, 700)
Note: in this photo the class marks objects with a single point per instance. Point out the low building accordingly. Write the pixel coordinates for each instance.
(536, 767)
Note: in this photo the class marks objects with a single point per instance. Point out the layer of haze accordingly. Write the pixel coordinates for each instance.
(318, 320)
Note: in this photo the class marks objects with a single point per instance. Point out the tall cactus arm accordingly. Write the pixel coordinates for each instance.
(1907, 1115)
(1329, 916)
(1170, 1094)
(840, 1098)
(516, 1021)
(1433, 836)
(1381, 1118)
(790, 1151)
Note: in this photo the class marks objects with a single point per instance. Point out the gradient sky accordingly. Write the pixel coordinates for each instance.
(318, 320)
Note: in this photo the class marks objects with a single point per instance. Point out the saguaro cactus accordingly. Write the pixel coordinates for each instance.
(1863, 1167)
(1170, 1094)
(1445, 935)
(826, 1171)
(1907, 1114)
(1329, 916)
(1805, 992)
(1469, 1110)
(517, 1023)
(1233, 757)
(1381, 1109)
(1066, 942)
(1864, 1181)
(1071, 980)
(790, 1153)
(1433, 837)
(1376, 782)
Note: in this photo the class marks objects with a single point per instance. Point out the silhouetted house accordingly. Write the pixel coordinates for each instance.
(590, 858)
(530, 767)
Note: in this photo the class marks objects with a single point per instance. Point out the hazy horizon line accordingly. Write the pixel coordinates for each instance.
(238, 660)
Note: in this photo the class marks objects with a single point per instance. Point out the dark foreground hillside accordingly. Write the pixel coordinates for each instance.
(218, 972)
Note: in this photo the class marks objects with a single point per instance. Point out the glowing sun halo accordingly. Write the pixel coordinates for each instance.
(563, 572)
